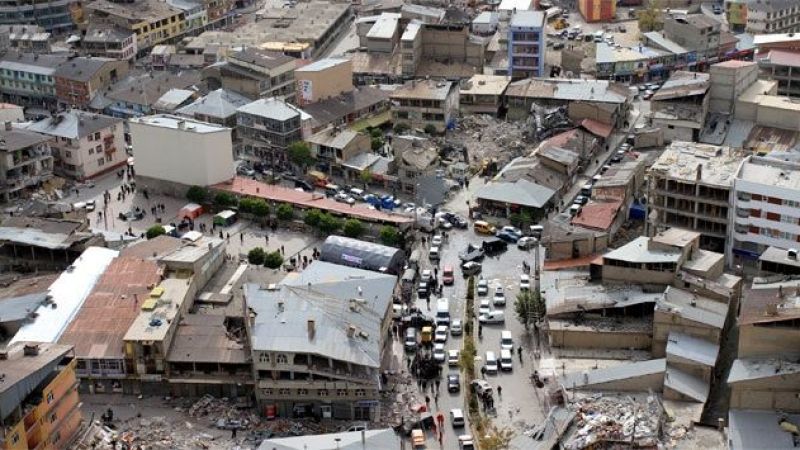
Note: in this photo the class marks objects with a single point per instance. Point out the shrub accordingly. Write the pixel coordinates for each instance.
(401, 128)
(225, 200)
(430, 129)
(260, 208)
(389, 236)
(376, 133)
(376, 143)
(273, 260)
(197, 194)
(284, 212)
(329, 224)
(155, 231)
(256, 256)
(313, 217)
(353, 228)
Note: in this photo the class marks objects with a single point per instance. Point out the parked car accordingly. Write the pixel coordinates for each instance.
(582, 200)
(524, 282)
(512, 230)
(526, 242)
(422, 290)
(410, 342)
(485, 306)
(471, 268)
(494, 246)
(466, 442)
(440, 335)
(447, 275)
(453, 382)
(437, 240)
(490, 363)
(648, 94)
(499, 298)
(452, 357)
(438, 353)
(481, 386)
(342, 197)
(508, 237)
(492, 317)
(457, 418)
(483, 287)
(472, 253)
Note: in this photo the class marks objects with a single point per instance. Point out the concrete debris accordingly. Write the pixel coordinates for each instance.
(607, 420)
(487, 137)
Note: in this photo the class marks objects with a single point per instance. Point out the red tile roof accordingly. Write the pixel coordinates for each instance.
(597, 215)
(254, 188)
(597, 128)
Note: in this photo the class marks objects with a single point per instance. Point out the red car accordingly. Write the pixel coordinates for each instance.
(447, 276)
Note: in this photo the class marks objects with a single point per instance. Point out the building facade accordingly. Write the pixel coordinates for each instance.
(255, 73)
(110, 42)
(41, 405)
(152, 22)
(774, 16)
(767, 208)
(526, 45)
(58, 16)
(84, 145)
(25, 162)
(323, 79)
(80, 79)
(267, 127)
(598, 10)
(419, 104)
(29, 79)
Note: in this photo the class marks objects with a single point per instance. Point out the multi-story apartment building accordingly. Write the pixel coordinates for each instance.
(255, 73)
(26, 38)
(110, 42)
(323, 79)
(136, 95)
(338, 321)
(783, 67)
(526, 44)
(690, 186)
(418, 104)
(28, 79)
(267, 127)
(57, 16)
(336, 147)
(84, 144)
(80, 79)
(39, 397)
(694, 32)
(25, 162)
(152, 21)
(680, 107)
(773, 16)
(194, 13)
(766, 208)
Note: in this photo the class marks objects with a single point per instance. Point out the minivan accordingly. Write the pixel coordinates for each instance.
(331, 190)
(433, 253)
(490, 363)
(506, 362)
(443, 312)
(410, 342)
(506, 341)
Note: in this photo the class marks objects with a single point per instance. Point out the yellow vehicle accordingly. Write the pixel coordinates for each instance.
(427, 335)
(318, 178)
(417, 438)
(484, 227)
(560, 24)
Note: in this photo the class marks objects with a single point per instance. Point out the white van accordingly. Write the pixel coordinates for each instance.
(433, 253)
(506, 362)
(490, 363)
(506, 342)
(443, 312)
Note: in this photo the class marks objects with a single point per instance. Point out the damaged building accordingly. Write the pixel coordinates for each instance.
(680, 106)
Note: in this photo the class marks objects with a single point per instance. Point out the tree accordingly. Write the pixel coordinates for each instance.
(389, 236)
(353, 228)
(329, 224)
(256, 256)
(197, 194)
(430, 129)
(273, 260)
(650, 17)
(225, 200)
(259, 208)
(520, 220)
(401, 127)
(376, 133)
(155, 231)
(376, 143)
(313, 217)
(366, 176)
(284, 212)
(300, 154)
(530, 308)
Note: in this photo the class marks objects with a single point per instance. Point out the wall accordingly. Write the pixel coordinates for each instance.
(329, 82)
(598, 339)
(665, 322)
(598, 10)
(644, 383)
(765, 341)
(631, 275)
(674, 132)
(163, 153)
(779, 392)
(596, 111)
(585, 245)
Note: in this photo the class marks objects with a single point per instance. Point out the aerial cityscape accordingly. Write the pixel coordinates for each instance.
(399, 224)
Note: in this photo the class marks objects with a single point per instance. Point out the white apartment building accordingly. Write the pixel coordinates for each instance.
(173, 152)
(84, 144)
(773, 16)
(766, 208)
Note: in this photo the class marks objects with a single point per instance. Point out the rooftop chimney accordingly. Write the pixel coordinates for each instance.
(8, 126)
(30, 350)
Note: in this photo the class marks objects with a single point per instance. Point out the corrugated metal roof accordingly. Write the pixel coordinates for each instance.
(521, 192)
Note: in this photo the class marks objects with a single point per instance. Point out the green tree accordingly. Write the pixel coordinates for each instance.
(329, 224)
(300, 154)
(430, 129)
(224, 200)
(284, 212)
(520, 220)
(259, 208)
(529, 308)
(376, 143)
(401, 127)
(353, 228)
(273, 260)
(650, 18)
(256, 256)
(155, 231)
(389, 236)
(313, 217)
(376, 133)
(197, 194)
(366, 176)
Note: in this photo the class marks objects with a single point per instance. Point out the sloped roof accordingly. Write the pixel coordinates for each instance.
(219, 103)
(520, 192)
(73, 124)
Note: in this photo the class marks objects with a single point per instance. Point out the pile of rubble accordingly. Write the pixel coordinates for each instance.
(487, 137)
(608, 420)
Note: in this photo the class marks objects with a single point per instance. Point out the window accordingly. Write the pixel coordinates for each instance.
(361, 393)
(322, 392)
(755, 213)
(101, 161)
(50, 397)
(263, 357)
(68, 154)
(341, 392)
(284, 391)
(302, 392)
(97, 136)
(792, 203)
(91, 150)
(109, 158)
(52, 418)
(99, 149)
(15, 438)
(773, 216)
(90, 138)
(757, 197)
(267, 391)
(281, 359)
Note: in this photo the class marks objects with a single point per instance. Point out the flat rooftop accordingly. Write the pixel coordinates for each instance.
(23, 374)
(159, 310)
(693, 307)
(639, 251)
(571, 291)
(699, 163)
(204, 338)
(322, 64)
(480, 84)
(778, 256)
(772, 172)
(179, 123)
(423, 89)
(383, 28)
(602, 91)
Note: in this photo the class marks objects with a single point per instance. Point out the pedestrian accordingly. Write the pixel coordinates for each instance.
(241, 237)
(283, 252)
(233, 433)
(499, 391)
(483, 371)
(436, 399)
(519, 352)
(266, 238)
(408, 361)
(428, 402)
(228, 235)
(438, 382)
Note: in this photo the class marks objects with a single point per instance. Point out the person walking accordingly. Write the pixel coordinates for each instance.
(428, 402)
(519, 353)
(499, 391)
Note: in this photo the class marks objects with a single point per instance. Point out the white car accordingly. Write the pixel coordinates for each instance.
(526, 242)
(480, 386)
(483, 287)
(437, 240)
(441, 334)
(452, 357)
(485, 306)
(342, 197)
(438, 353)
(456, 328)
(499, 298)
(457, 418)
(512, 230)
(524, 282)
(427, 275)
(492, 317)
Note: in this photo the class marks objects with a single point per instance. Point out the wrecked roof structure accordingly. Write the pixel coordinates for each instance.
(571, 291)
